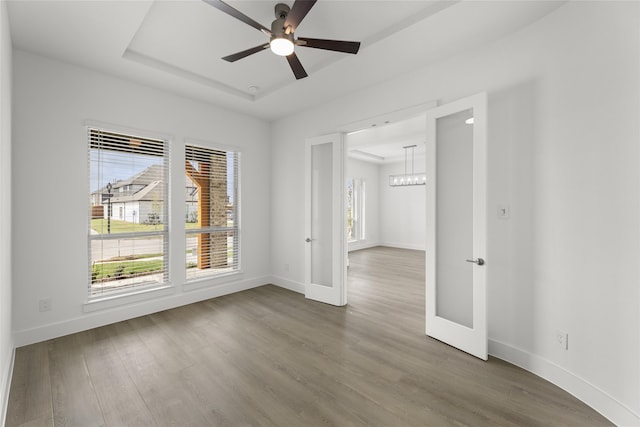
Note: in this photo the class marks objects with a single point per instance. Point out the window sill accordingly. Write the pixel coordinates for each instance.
(128, 298)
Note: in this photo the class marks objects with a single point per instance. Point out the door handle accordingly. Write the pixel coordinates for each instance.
(478, 261)
(308, 240)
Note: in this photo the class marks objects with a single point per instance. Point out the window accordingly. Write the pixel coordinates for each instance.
(211, 212)
(355, 209)
(128, 251)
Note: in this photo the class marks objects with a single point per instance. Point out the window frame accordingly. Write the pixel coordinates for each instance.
(143, 290)
(204, 280)
(357, 209)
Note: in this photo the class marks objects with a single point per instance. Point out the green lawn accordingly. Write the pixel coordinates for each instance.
(122, 270)
(134, 257)
(117, 226)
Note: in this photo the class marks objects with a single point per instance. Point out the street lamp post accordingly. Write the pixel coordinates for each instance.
(109, 186)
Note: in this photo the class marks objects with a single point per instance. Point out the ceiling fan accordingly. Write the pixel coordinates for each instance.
(282, 41)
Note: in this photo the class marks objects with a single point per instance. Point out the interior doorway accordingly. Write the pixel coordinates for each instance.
(451, 235)
(386, 222)
(384, 214)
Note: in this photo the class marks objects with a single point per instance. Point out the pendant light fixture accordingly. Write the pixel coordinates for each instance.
(408, 178)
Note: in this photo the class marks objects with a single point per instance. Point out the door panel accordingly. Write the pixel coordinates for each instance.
(454, 213)
(456, 225)
(321, 206)
(325, 226)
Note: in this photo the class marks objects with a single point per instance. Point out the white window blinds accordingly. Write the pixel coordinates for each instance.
(128, 230)
(212, 220)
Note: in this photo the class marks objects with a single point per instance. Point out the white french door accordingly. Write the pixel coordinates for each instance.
(325, 225)
(456, 256)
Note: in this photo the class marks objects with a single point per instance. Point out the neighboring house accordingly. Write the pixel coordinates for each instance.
(138, 199)
(143, 206)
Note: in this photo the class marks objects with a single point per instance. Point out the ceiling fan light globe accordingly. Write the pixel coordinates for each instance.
(281, 46)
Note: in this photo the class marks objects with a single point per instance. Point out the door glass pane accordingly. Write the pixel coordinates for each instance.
(454, 218)
(321, 210)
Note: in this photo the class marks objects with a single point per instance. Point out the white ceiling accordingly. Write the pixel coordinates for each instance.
(384, 143)
(177, 45)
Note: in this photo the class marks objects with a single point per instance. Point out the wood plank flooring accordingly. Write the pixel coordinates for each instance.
(268, 357)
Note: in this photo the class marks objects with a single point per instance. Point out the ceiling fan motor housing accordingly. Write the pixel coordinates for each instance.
(277, 26)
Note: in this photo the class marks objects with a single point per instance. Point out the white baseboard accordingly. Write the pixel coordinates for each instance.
(288, 284)
(403, 246)
(599, 400)
(7, 375)
(99, 318)
(356, 246)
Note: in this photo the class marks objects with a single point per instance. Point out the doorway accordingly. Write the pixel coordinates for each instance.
(455, 132)
(387, 215)
(391, 219)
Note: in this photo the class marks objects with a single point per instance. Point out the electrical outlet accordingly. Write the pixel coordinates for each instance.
(45, 304)
(562, 339)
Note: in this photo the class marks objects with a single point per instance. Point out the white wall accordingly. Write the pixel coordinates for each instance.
(6, 338)
(402, 209)
(51, 102)
(395, 216)
(563, 153)
(369, 173)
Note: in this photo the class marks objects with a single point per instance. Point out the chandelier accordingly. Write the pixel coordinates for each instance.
(408, 178)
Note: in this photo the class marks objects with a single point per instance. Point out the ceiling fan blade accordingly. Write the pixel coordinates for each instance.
(297, 13)
(222, 6)
(335, 45)
(296, 66)
(245, 53)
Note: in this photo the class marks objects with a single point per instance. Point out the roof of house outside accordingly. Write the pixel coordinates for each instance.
(145, 185)
(151, 192)
(146, 177)
(149, 179)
